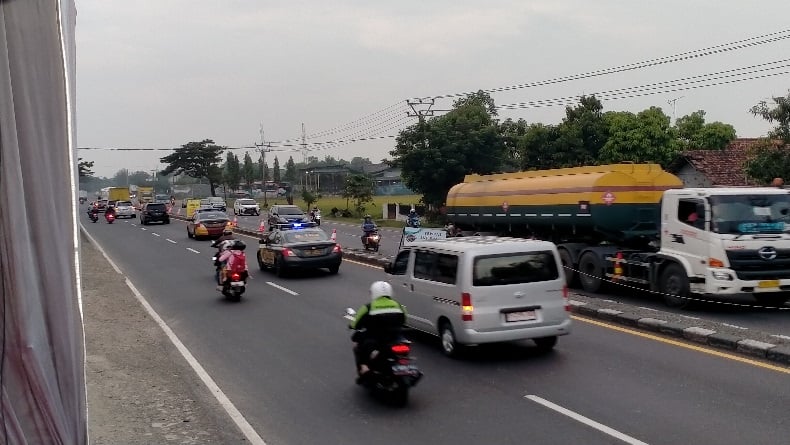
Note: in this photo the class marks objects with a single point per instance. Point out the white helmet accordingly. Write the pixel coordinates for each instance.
(380, 289)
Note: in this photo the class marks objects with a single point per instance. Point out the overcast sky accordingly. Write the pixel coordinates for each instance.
(161, 73)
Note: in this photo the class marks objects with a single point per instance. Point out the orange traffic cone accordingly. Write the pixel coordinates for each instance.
(618, 268)
(261, 227)
(334, 235)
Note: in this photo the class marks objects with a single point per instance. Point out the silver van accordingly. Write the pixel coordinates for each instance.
(483, 289)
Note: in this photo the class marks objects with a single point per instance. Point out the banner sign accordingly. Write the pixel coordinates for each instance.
(412, 235)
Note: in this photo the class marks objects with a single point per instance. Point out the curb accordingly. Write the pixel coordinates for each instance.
(660, 322)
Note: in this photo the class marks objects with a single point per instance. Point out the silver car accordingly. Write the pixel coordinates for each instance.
(124, 209)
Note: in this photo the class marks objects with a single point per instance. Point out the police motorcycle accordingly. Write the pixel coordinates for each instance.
(392, 370)
(371, 240)
(315, 217)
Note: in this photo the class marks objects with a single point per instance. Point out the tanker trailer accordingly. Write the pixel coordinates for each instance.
(635, 224)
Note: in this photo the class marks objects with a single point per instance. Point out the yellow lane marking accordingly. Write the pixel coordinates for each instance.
(684, 345)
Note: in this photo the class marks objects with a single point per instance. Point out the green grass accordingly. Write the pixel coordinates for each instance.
(325, 204)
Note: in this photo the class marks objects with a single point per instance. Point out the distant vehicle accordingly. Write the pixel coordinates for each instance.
(246, 206)
(298, 246)
(284, 214)
(115, 193)
(216, 202)
(83, 196)
(124, 209)
(154, 212)
(207, 224)
(101, 204)
(162, 198)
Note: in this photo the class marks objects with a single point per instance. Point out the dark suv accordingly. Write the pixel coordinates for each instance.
(285, 214)
(154, 212)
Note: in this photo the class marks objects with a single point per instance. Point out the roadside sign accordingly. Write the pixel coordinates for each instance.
(412, 235)
(192, 205)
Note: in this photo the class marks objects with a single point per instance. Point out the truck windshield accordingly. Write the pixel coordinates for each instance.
(745, 214)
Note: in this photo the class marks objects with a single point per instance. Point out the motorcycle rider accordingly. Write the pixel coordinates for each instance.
(110, 211)
(376, 323)
(413, 219)
(93, 211)
(220, 244)
(315, 213)
(368, 227)
(234, 251)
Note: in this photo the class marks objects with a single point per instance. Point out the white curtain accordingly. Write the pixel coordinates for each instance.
(42, 374)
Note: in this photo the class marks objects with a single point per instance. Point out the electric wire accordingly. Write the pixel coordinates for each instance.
(717, 49)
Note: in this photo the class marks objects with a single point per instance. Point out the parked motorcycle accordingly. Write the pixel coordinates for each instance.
(371, 240)
(392, 371)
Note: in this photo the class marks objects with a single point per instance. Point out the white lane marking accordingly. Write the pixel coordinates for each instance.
(143, 228)
(155, 234)
(238, 418)
(589, 422)
(192, 250)
(133, 224)
(647, 308)
(284, 289)
(170, 241)
(734, 326)
(99, 248)
(783, 337)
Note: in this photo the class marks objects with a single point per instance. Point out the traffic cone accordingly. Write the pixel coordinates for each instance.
(261, 227)
(618, 268)
(334, 235)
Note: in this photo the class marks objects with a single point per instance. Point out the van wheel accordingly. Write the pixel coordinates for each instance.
(450, 346)
(674, 287)
(590, 271)
(545, 344)
(571, 277)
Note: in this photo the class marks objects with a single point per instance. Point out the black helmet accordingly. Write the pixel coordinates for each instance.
(237, 245)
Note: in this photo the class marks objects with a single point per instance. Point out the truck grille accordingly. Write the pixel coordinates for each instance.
(748, 265)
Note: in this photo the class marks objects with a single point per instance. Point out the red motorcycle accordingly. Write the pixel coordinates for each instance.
(110, 217)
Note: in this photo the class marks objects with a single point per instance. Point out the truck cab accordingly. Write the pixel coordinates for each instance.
(728, 240)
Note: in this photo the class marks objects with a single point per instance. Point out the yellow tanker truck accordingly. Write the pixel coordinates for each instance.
(636, 224)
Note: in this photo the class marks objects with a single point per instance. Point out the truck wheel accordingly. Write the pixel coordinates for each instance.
(571, 277)
(674, 287)
(590, 271)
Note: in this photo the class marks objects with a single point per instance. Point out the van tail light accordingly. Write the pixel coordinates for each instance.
(466, 307)
(288, 252)
(566, 299)
(337, 249)
(400, 349)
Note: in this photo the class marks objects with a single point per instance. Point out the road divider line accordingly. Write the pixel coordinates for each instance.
(238, 418)
(284, 289)
(362, 264)
(684, 345)
(143, 228)
(192, 250)
(133, 224)
(585, 420)
(170, 241)
(155, 234)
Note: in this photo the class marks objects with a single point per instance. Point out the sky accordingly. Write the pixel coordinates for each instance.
(156, 74)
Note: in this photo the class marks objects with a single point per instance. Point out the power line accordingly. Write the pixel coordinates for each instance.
(717, 49)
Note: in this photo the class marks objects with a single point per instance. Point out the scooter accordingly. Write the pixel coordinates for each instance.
(316, 218)
(371, 241)
(109, 217)
(235, 283)
(392, 370)
(93, 216)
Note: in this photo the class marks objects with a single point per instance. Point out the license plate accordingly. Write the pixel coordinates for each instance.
(404, 369)
(237, 283)
(313, 252)
(768, 283)
(520, 316)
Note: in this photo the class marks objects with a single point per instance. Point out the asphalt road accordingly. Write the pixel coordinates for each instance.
(283, 357)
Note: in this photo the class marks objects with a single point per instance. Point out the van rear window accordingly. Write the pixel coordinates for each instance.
(497, 270)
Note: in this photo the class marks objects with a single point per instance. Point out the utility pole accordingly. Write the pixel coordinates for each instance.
(263, 148)
(674, 102)
(421, 115)
(304, 146)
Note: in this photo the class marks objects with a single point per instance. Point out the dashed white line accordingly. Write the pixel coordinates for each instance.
(192, 250)
(589, 422)
(133, 224)
(734, 326)
(647, 308)
(143, 228)
(155, 234)
(284, 289)
(170, 241)
(783, 337)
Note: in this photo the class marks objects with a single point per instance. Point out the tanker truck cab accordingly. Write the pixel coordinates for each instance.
(480, 289)
(738, 242)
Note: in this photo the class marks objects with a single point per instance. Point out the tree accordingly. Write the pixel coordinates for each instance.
(779, 114)
(197, 160)
(358, 163)
(84, 168)
(643, 137)
(231, 174)
(581, 134)
(248, 171)
(770, 157)
(290, 170)
(511, 132)
(694, 134)
(309, 197)
(434, 155)
(535, 147)
(359, 188)
(276, 170)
